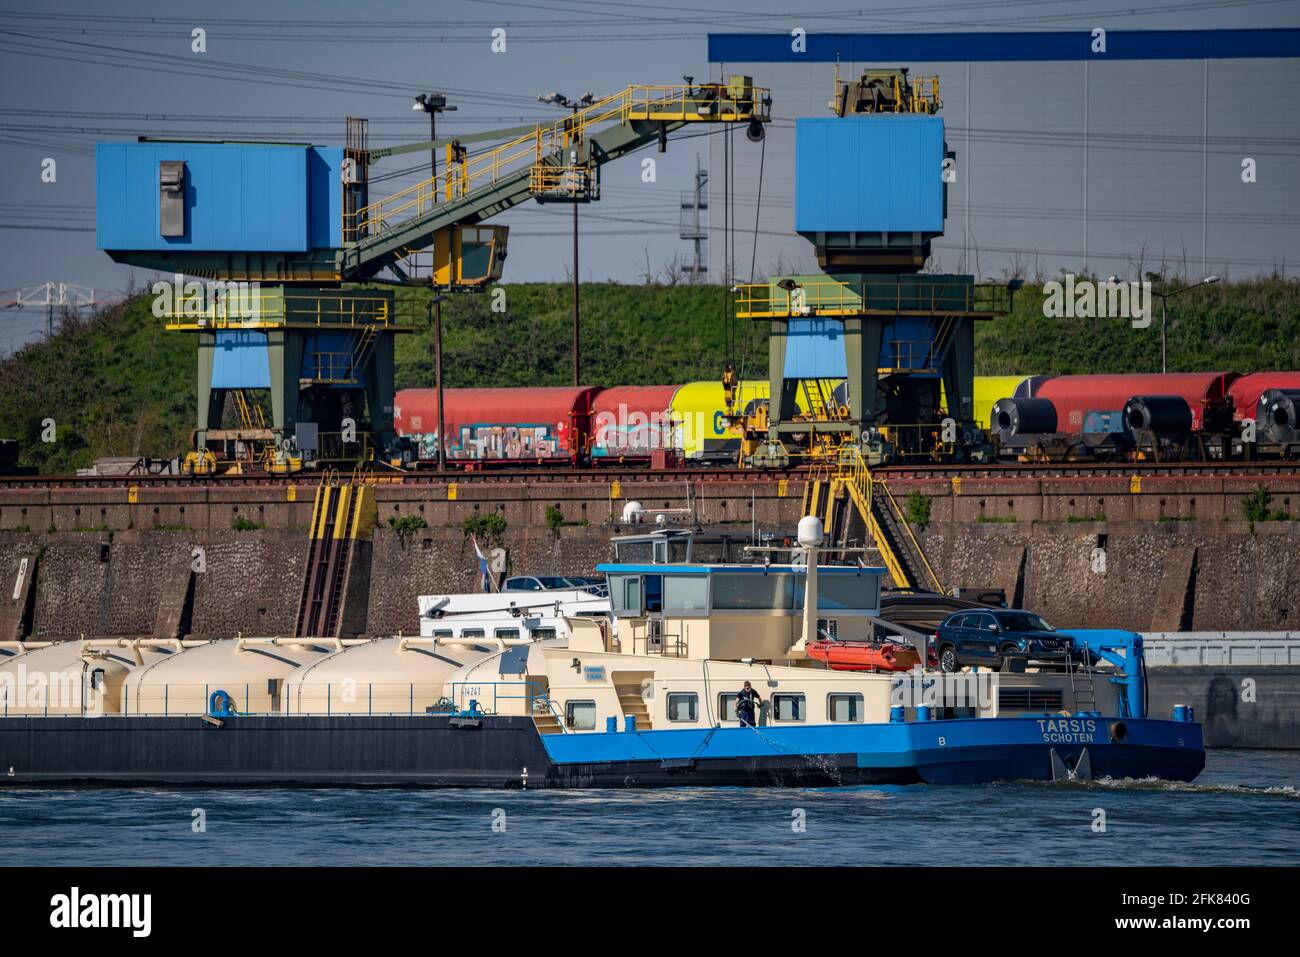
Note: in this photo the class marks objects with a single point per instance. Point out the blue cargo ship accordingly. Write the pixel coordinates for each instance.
(703, 673)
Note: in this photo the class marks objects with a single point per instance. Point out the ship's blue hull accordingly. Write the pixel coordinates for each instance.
(962, 751)
(501, 751)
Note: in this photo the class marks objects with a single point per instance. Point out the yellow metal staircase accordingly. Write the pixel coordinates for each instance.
(815, 398)
(343, 512)
(885, 523)
(250, 414)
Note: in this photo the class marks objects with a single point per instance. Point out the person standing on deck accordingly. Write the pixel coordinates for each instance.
(747, 701)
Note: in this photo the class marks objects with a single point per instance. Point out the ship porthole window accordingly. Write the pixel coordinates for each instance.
(844, 707)
(727, 706)
(789, 707)
(683, 706)
(580, 715)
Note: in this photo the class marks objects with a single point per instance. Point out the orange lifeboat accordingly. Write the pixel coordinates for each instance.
(864, 655)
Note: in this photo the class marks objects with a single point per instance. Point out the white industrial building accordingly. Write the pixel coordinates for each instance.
(1173, 150)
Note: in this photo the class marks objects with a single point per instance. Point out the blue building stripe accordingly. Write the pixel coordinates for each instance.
(902, 49)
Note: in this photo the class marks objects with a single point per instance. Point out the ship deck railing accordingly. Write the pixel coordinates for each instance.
(73, 698)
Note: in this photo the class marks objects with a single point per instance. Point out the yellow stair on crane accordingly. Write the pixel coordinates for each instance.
(901, 552)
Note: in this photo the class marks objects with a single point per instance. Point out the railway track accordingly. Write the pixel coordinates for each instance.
(643, 476)
(1092, 470)
(412, 479)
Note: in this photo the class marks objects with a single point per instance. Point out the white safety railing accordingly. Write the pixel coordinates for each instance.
(1200, 648)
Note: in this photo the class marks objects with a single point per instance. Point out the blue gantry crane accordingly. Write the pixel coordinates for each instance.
(871, 196)
(286, 266)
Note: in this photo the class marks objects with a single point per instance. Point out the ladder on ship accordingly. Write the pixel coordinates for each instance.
(342, 513)
(1083, 690)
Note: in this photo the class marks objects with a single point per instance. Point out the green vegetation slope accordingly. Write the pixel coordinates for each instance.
(117, 384)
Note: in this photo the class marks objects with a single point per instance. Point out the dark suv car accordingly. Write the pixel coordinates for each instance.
(988, 637)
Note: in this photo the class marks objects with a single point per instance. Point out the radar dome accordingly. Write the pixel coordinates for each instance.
(810, 531)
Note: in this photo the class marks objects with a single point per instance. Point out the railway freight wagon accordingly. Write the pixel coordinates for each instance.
(1184, 415)
(543, 425)
(634, 422)
(656, 425)
(667, 424)
(1271, 400)
(699, 409)
(1188, 414)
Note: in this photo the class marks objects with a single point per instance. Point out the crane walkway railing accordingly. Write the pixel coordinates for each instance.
(276, 307)
(792, 298)
(547, 144)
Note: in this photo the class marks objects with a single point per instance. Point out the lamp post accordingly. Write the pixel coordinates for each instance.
(1164, 297)
(433, 104)
(562, 101)
(435, 311)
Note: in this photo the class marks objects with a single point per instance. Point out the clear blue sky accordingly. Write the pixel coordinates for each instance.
(78, 72)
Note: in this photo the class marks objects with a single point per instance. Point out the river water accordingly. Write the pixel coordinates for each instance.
(1243, 810)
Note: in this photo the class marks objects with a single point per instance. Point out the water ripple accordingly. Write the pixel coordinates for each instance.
(1241, 807)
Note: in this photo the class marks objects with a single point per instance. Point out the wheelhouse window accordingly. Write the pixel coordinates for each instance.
(686, 595)
(683, 706)
(844, 707)
(634, 553)
(855, 592)
(472, 633)
(580, 715)
(752, 591)
(540, 634)
(789, 707)
(625, 595)
(506, 633)
(842, 592)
